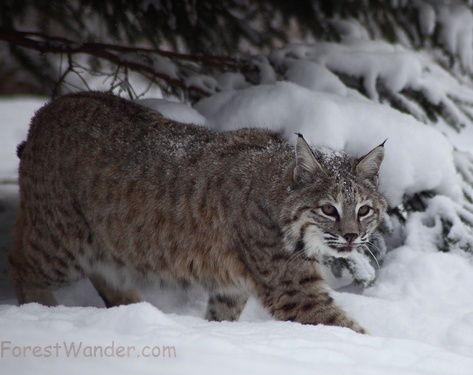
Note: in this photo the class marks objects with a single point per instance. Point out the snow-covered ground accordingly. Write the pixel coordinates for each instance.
(419, 312)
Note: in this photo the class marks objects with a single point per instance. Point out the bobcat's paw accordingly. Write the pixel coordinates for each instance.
(354, 326)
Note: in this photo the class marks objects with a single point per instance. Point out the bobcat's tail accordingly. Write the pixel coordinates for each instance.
(20, 148)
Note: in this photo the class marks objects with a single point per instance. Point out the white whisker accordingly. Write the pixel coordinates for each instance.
(376, 260)
(292, 258)
(300, 259)
(376, 247)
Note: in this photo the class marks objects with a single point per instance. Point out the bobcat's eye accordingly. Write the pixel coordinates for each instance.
(364, 210)
(329, 210)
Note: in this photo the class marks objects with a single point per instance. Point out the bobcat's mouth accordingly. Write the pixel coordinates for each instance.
(345, 248)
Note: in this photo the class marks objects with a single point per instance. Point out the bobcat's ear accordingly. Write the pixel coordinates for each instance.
(368, 166)
(307, 165)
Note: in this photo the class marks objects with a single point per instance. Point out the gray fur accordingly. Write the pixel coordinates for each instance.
(115, 192)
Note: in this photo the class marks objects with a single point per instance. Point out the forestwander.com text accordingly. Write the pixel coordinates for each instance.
(79, 349)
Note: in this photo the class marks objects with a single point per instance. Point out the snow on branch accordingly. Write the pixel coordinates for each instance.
(414, 82)
(411, 81)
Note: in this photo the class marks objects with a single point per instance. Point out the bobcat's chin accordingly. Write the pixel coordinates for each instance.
(342, 250)
(317, 248)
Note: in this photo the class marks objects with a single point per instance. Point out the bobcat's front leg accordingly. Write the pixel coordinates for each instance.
(225, 306)
(303, 297)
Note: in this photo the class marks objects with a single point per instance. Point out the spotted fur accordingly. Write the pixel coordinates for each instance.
(116, 192)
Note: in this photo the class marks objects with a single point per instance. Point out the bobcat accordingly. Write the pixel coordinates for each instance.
(114, 191)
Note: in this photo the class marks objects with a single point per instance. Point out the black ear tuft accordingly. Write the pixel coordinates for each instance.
(368, 166)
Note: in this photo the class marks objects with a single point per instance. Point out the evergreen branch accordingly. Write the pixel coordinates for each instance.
(112, 53)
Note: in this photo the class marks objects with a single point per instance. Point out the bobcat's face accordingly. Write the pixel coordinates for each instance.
(335, 206)
(342, 218)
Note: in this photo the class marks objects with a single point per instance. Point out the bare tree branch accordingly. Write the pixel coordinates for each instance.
(115, 54)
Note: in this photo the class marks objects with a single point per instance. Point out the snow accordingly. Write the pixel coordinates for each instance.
(350, 30)
(451, 21)
(231, 81)
(385, 71)
(203, 82)
(418, 312)
(15, 121)
(426, 18)
(175, 111)
(457, 32)
(313, 76)
(244, 347)
(359, 58)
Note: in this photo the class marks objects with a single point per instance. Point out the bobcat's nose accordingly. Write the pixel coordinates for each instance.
(350, 237)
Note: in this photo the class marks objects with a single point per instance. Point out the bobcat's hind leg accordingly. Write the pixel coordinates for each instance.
(27, 293)
(32, 277)
(225, 306)
(111, 295)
